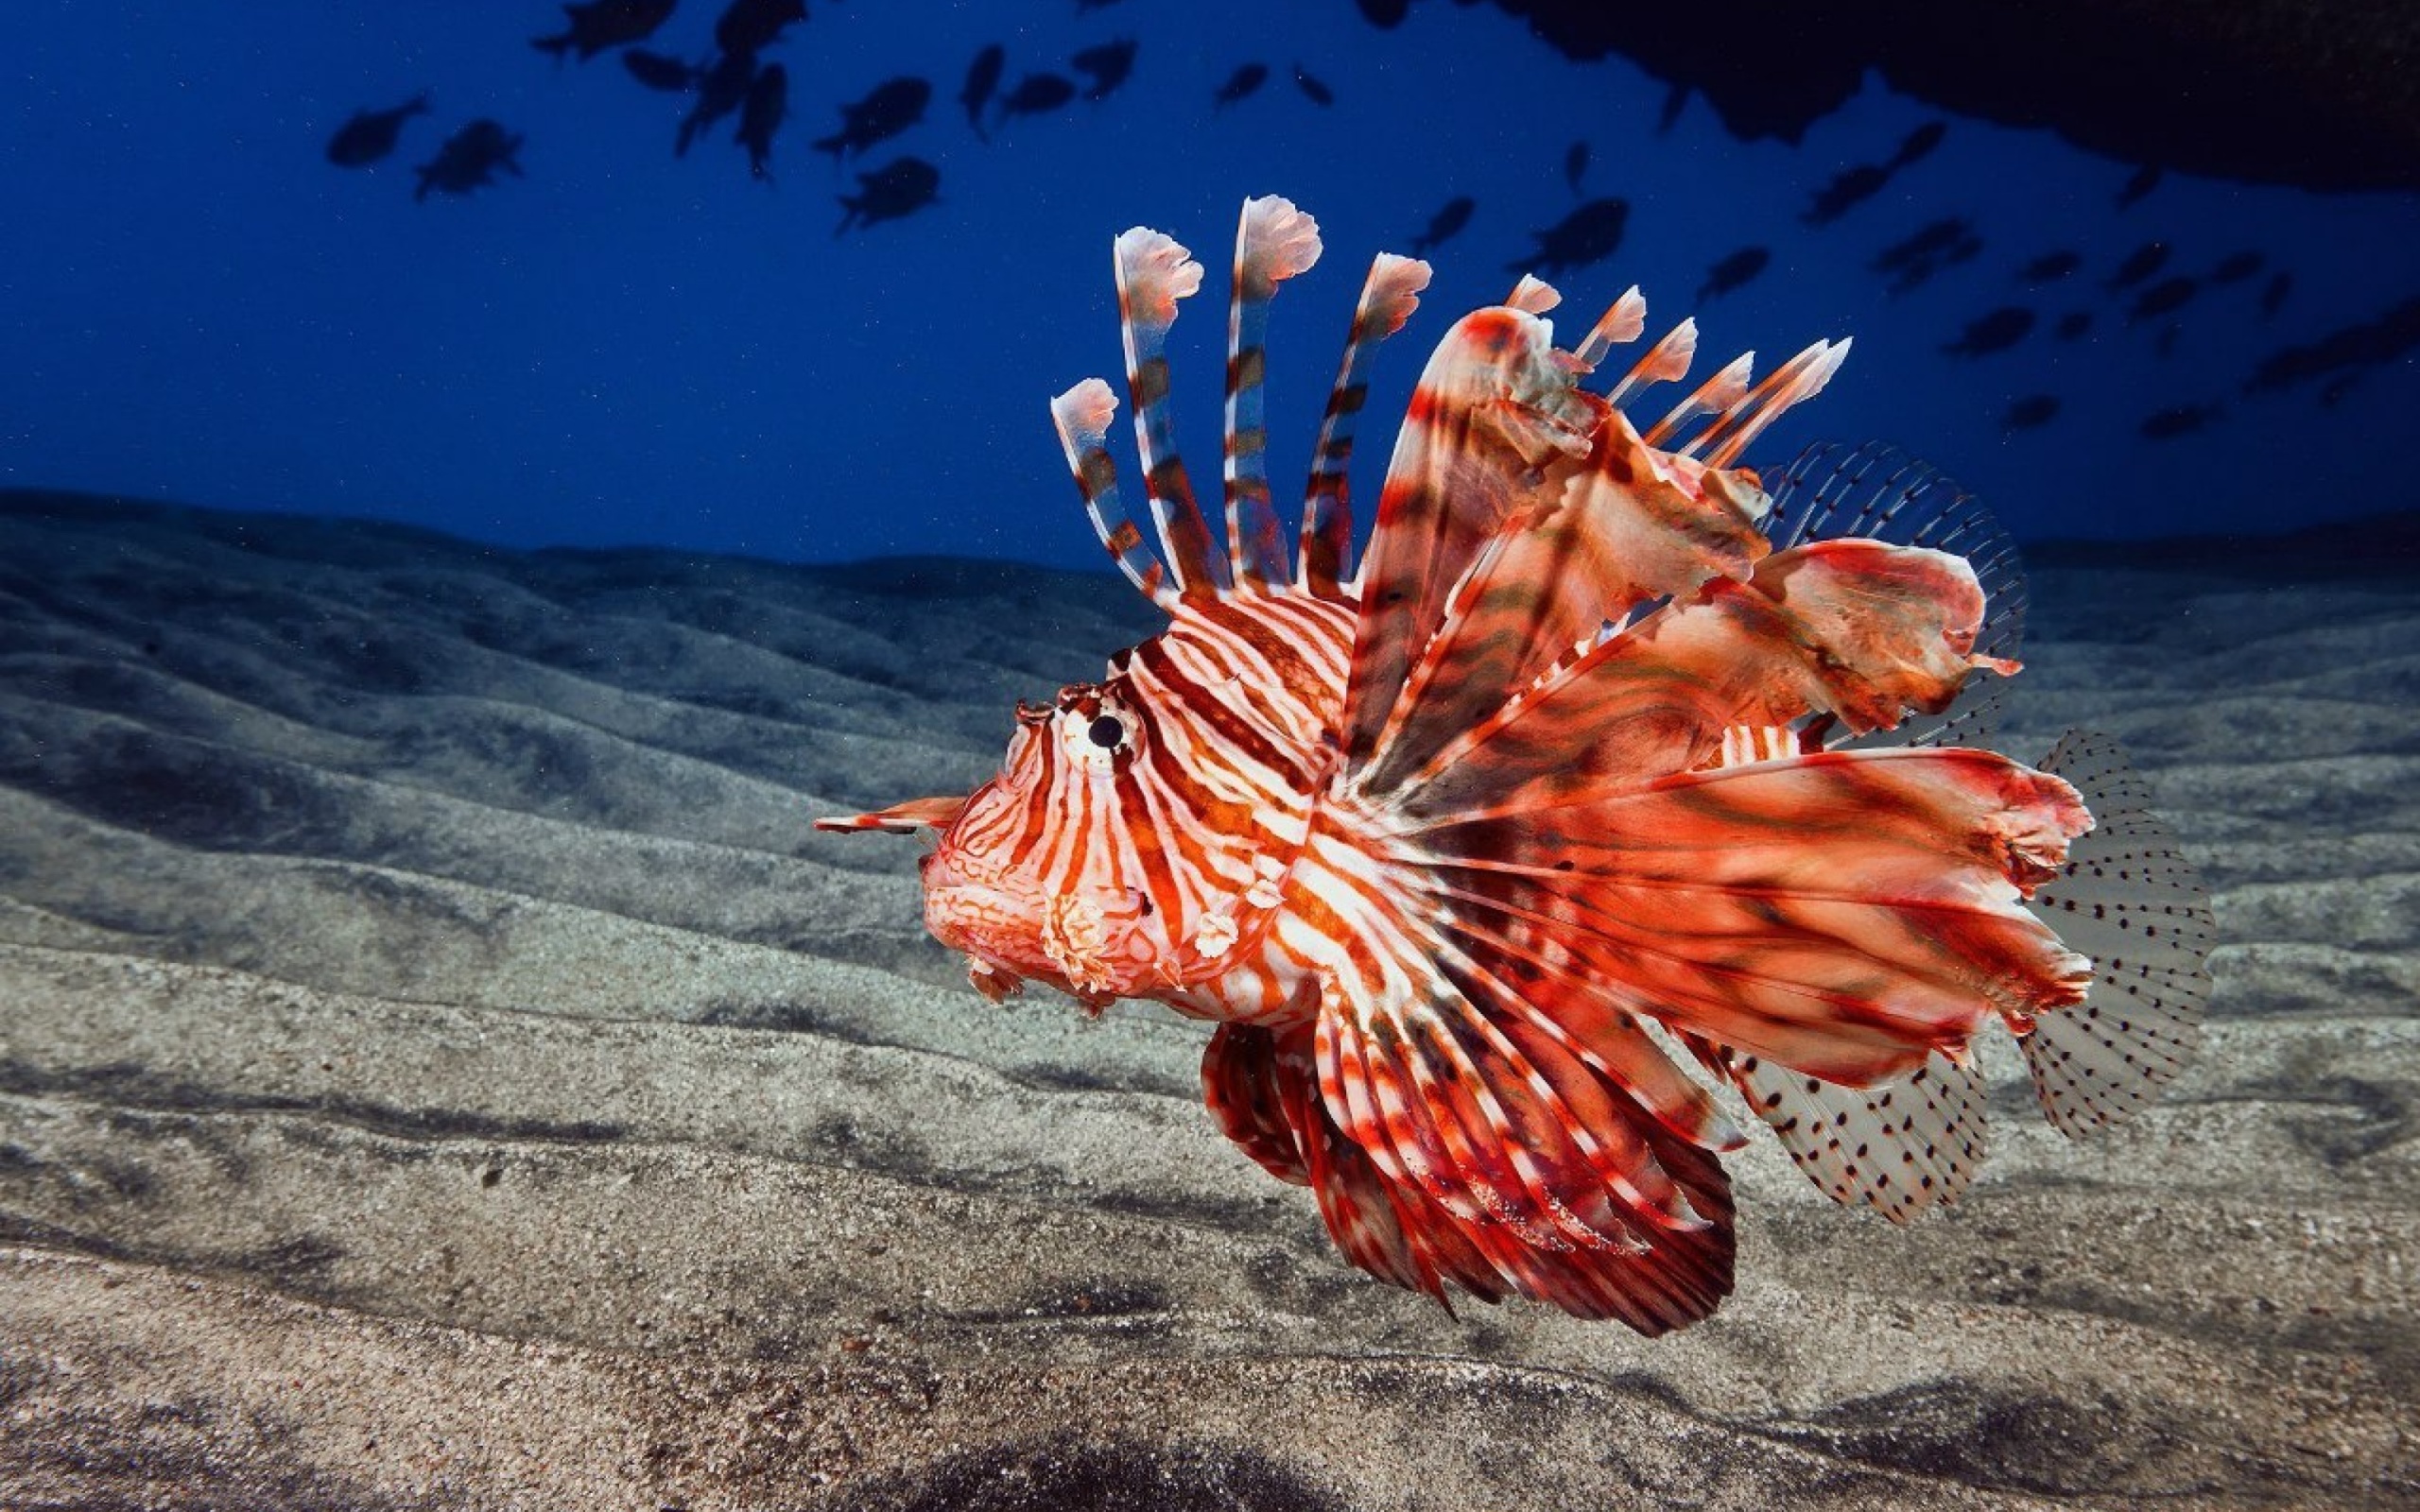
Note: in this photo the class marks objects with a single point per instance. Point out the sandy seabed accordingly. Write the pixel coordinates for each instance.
(439, 1067)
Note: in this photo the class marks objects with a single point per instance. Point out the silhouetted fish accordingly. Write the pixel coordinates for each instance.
(1676, 99)
(469, 158)
(1918, 144)
(1036, 93)
(1385, 14)
(2337, 388)
(1849, 188)
(2272, 298)
(752, 26)
(761, 116)
(658, 72)
(1443, 225)
(2146, 179)
(2178, 419)
(371, 134)
(1317, 93)
(2372, 343)
(1575, 164)
(2074, 323)
(2139, 265)
(1107, 64)
(1914, 260)
(1996, 332)
(2050, 268)
(1734, 270)
(2032, 411)
(597, 25)
(1239, 84)
(895, 190)
(2237, 267)
(889, 107)
(1082, 6)
(1588, 234)
(2166, 296)
(982, 77)
(723, 88)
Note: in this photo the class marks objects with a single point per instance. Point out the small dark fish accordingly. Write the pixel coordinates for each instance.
(1082, 6)
(2337, 388)
(723, 88)
(656, 71)
(1849, 188)
(982, 77)
(1107, 63)
(469, 158)
(2390, 337)
(1384, 15)
(1918, 144)
(2032, 411)
(2166, 296)
(2050, 268)
(1589, 234)
(2139, 265)
(1676, 99)
(599, 25)
(1443, 225)
(760, 116)
(1915, 260)
(752, 26)
(891, 107)
(2146, 179)
(1317, 93)
(2178, 419)
(2237, 267)
(1575, 164)
(2272, 298)
(2074, 323)
(2164, 345)
(895, 190)
(371, 134)
(1996, 332)
(1734, 270)
(1240, 84)
(1034, 94)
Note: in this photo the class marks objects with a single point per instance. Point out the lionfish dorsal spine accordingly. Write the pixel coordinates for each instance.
(1081, 417)
(1534, 295)
(1728, 386)
(1390, 294)
(1793, 383)
(1273, 242)
(1623, 323)
(1154, 274)
(1666, 362)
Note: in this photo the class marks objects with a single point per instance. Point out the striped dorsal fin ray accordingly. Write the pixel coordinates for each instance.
(1154, 274)
(1793, 383)
(1082, 415)
(1389, 295)
(1666, 362)
(1273, 242)
(1728, 386)
(1623, 323)
(1534, 295)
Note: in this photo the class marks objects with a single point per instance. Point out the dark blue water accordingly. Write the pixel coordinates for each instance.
(625, 346)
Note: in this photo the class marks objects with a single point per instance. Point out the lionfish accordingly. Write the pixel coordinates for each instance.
(1605, 763)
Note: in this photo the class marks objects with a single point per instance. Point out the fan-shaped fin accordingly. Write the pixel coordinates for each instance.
(1389, 295)
(1275, 242)
(1899, 1147)
(2128, 898)
(1154, 274)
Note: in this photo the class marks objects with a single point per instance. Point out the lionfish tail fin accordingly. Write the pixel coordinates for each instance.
(1389, 295)
(1154, 274)
(1081, 417)
(2127, 898)
(1275, 242)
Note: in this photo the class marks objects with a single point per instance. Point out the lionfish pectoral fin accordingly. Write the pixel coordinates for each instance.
(901, 818)
(2126, 897)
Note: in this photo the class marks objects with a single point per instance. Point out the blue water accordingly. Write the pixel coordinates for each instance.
(626, 347)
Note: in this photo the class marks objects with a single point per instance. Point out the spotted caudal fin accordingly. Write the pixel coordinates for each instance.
(2127, 898)
(1389, 296)
(1275, 242)
(1154, 274)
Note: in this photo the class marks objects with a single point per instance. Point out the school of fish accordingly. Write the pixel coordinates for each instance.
(1612, 774)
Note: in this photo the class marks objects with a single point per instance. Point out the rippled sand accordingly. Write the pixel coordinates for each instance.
(439, 1067)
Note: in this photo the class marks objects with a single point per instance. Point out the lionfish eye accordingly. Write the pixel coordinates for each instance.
(1108, 731)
